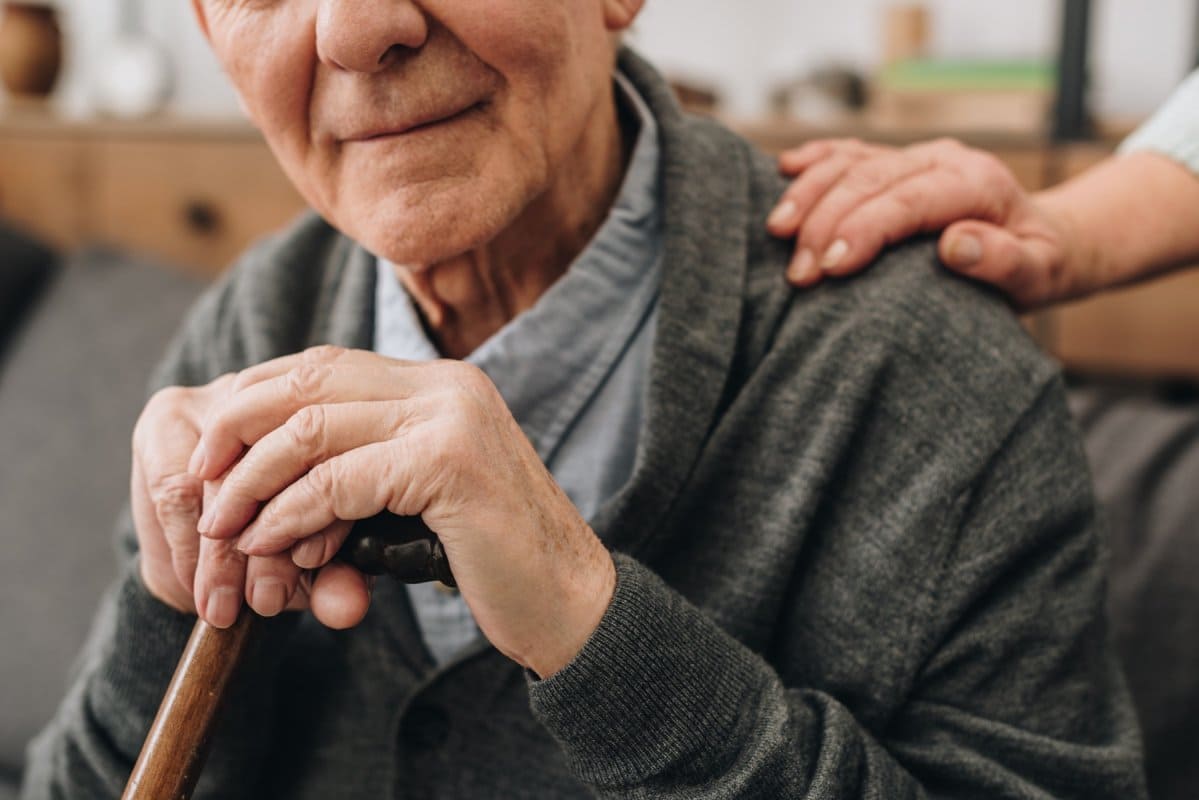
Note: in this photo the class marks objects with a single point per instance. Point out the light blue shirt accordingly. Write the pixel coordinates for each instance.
(573, 369)
(1174, 130)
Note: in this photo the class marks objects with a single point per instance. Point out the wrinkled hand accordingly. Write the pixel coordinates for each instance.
(851, 199)
(331, 436)
(188, 573)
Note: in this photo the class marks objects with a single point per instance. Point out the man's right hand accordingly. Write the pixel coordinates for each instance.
(178, 566)
(850, 199)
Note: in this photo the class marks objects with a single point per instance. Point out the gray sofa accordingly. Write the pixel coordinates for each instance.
(71, 386)
(74, 381)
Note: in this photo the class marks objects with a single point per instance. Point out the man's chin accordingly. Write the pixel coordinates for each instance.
(426, 234)
(419, 245)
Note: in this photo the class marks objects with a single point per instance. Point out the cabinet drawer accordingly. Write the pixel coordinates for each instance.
(41, 186)
(194, 203)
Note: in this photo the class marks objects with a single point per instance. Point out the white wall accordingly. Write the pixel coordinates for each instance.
(200, 88)
(1141, 48)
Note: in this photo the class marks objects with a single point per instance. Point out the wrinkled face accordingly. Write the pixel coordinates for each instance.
(420, 128)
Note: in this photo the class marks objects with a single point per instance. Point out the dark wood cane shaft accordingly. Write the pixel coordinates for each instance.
(173, 755)
(174, 752)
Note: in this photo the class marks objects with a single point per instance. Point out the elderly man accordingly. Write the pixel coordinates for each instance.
(713, 539)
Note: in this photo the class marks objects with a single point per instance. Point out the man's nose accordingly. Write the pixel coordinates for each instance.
(362, 35)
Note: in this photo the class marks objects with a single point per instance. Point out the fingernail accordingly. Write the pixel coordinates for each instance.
(801, 268)
(309, 553)
(965, 251)
(223, 605)
(783, 214)
(834, 255)
(268, 596)
(199, 457)
(204, 526)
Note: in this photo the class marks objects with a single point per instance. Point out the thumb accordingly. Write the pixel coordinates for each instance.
(994, 255)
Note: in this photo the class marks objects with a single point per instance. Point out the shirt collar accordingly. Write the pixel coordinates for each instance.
(548, 361)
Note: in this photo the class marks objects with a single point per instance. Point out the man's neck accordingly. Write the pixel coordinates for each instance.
(466, 300)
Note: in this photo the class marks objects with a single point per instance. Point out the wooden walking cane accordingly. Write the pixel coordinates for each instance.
(177, 745)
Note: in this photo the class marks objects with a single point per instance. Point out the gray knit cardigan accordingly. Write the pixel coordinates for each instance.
(858, 557)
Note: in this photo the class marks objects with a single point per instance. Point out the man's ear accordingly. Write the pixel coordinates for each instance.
(201, 18)
(619, 14)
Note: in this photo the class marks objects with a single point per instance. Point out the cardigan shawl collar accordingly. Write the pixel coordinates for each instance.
(703, 272)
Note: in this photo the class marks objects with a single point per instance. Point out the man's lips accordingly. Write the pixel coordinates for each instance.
(410, 126)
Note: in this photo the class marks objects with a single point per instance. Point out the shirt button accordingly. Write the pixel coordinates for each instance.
(425, 727)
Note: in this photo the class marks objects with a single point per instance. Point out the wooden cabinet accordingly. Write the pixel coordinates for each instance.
(190, 195)
(42, 185)
(195, 202)
(1150, 330)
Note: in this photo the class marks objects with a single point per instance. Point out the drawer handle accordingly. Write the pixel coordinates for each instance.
(202, 217)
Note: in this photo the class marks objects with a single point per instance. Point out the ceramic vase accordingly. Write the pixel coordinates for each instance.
(134, 79)
(30, 48)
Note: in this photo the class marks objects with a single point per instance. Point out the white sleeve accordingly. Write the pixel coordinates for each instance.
(1174, 130)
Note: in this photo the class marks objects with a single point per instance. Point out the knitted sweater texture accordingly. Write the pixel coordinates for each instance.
(858, 557)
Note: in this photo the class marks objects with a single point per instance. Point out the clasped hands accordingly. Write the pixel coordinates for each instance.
(246, 488)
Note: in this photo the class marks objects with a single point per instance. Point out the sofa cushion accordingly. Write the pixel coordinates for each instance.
(25, 268)
(1144, 452)
(70, 392)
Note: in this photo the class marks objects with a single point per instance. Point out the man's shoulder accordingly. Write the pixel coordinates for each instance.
(937, 337)
(950, 345)
(943, 353)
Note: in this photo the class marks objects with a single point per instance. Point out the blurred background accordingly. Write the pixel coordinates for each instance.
(129, 179)
(139, 144)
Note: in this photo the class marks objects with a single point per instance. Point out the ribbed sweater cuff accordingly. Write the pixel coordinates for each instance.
(136, 664)
(658, 689)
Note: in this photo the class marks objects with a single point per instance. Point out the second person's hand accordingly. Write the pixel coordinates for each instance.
(849, 200)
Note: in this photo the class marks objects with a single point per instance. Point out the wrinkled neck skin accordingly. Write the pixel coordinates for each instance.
(466, 300)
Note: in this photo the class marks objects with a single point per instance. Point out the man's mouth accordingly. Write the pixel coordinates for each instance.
(418, 123)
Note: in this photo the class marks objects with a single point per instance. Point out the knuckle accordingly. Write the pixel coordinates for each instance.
(324, 353)
(241, 381)
(305, 381)
(269, 518)
(307, 429)
(865, 177)
(169, 397)
(909, 202)
(986, 164)
(223, 382)
(818, 149)
(223, 559)
(948, 144)
(467, 383)
(176, 494)
(322, 480)
(218, 422)
(164, 402)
